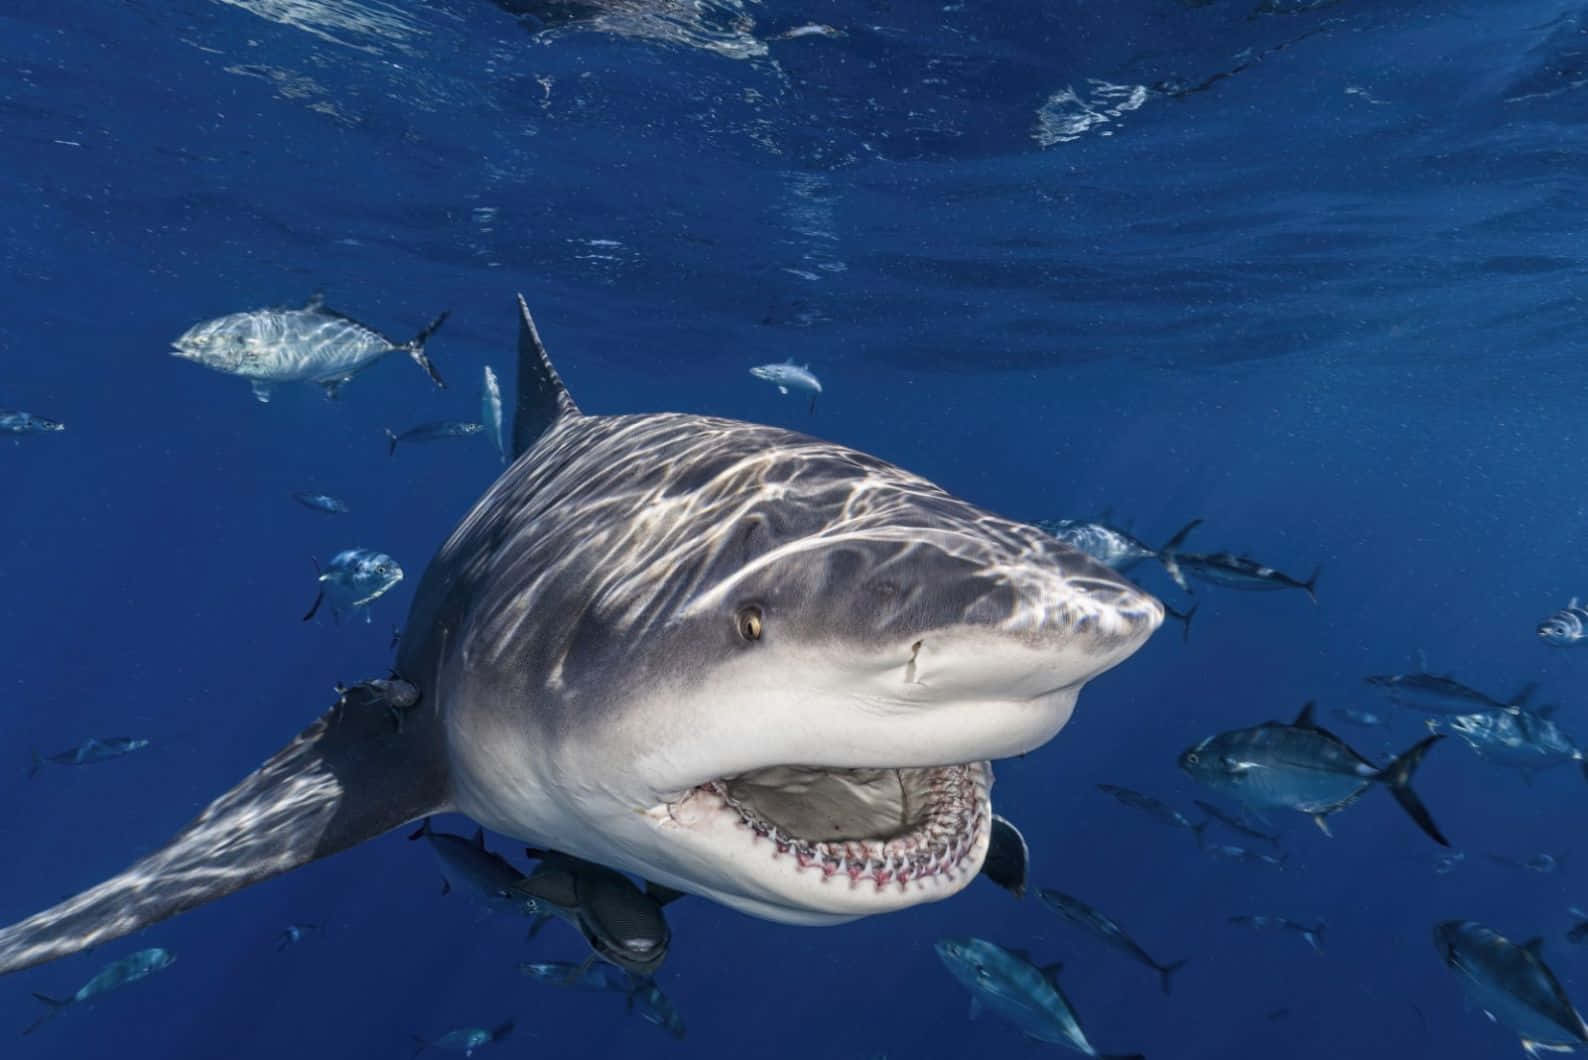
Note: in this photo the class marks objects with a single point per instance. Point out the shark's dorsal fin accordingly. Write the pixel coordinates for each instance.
(542, 399)
(346, 778)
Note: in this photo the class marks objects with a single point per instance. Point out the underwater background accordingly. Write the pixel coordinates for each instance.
(1311, 272)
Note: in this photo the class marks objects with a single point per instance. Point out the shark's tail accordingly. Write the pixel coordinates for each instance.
(1398, 775)
(1166, 970)
(344, 779)
(416, 349)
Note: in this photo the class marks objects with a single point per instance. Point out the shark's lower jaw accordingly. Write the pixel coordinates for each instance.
(848, 841)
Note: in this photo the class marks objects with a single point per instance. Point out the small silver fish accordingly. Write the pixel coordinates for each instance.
(93, 749)
(432, 431)
(354, 578)
(1225, 852)
(1147, 804)
(293, 934)
(1569, 625)
(465, 1039)
(116, 974)
(789, 375)
(491, 411)
(579, 976)
(1313, 933)
(311, 345)
(14, 421)
(1078, 912)
(320, 502)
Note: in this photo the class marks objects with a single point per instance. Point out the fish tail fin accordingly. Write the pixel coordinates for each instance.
(1314, 936)
(1200, 831)
(1184, 618)
(1173, 544)
(502, 1032)
(1167, 970)
(391, 441)
(37, 764)
(416, 349)
(1312, 582)
(1523, 695)
(55, 1006)
(420, 1045)
(343, 779)
(318, 599)
(1398, 775)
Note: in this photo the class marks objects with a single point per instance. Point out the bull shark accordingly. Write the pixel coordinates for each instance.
(733, 660)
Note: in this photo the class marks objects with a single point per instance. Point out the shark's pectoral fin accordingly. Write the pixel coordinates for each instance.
(344, 779)
(1008, 857)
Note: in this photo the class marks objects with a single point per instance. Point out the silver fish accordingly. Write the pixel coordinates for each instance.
(581, 976)
(1078, 912)
(1535, 863)
(465, 1039)
(1226, 852)
(468, 861)
(293, 934)
(1443, 694)
(311, 345)
(93, 749)
(1513, 985)
(320, 502)
(354, 578)
(1008, 982)
(1303, 767)
(1235, 823)
(1148, 804)
(789, 375)
(1365, 718)
(1527, 740)
(1313, 933)
(14, 421)
(1116, 548)
(491, 411)
(432, 431)
(1235, 572)
(1566, 626)
(653, 1006)
(116, 974)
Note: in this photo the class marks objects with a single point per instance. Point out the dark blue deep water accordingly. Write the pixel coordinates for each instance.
(1312, 272)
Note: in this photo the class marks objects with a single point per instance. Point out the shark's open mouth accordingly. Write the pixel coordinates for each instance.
(888, 827)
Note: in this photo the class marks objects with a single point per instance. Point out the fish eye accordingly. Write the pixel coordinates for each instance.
(1191, 758)
(749, 622)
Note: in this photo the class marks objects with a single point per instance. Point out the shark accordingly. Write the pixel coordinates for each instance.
(735, 661)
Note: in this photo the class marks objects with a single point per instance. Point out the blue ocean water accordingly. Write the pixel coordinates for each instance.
(1308, 271)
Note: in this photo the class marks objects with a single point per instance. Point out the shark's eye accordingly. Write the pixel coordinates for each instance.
(749, 621)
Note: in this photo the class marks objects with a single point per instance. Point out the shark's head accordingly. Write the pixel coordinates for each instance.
(755, 666)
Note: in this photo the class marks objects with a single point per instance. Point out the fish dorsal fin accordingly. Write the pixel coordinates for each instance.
(1051, 972)
(1535, 946)
(316, 301)
(1304, 720)
(346, 778)
(542, 398)
(1024, 955)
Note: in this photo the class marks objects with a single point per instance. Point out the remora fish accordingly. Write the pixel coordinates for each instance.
(1116, 548)
(93, 749)
(310, 345)
(1303, 767)
(116, 974)
(1233, 822)
(491, 412)
(1527, 740)
(468, 861)
(465, 1039)
(320, 502)
(430, 432)
(354, 578)
(1566, 626)
(1148, 804)
(788, 374)
(1078, 912)
(15, 421)
(1442, 694)
(1012, 986)
(634, 683)
(1234, 572)
(622, 924)
(1513, 985)
(1313, 933)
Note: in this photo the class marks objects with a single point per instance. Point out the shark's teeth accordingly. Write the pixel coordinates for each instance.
(956, 815)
